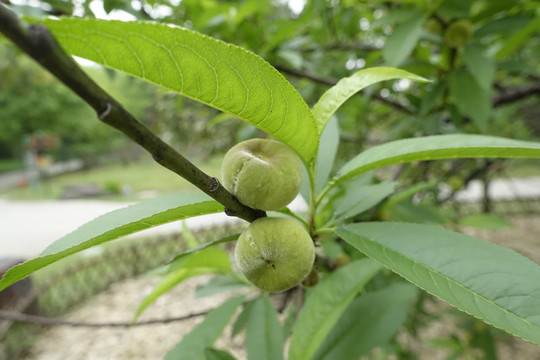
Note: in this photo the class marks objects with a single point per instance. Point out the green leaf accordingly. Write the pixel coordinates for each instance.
(402, 41)
(219, 284)
(193, 345)
(290, 318)
(363, 198)
(438, 147)
(179, 259)
(326, 303)
(371, 320)
(480, 66)
(110, 5)
(328, 146)
(208, 70)
(305, 191)
(407, 193)
(485, 221)
(484, 339)
(396, 16)
(492, 283)
(454, 9)
(250, 8)
(504, 26)
(400, 207)
(416, 213)
(470, 98)
(114, 225)
(216, 354)
(517, 66)
(326, 154)
(209, 260)
(433, 96)
(331, 248)
(518, 40)
(243, 317)
(334, 97)
(332, 200)
(264, 338)
(189, 238)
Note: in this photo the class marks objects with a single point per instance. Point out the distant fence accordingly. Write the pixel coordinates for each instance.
(504, 197)
(502, 207)
(79, 280)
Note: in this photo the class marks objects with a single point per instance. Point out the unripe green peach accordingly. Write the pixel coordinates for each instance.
(455, 182)
(275, 254)
(262, 174)
(458, 33)
(433, 26)
(342, 259)
(312, 279)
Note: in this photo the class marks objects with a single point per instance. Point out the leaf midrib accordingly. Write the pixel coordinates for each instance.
(332, 315)
(268, 338)
(435, 154)
(307, 158)
(450, 280)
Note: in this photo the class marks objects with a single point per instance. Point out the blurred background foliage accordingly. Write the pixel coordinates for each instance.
(481, 55)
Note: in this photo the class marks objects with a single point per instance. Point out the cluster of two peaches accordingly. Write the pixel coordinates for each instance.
(274, 253)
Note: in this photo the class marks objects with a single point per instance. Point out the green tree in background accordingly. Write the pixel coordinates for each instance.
(34, 102)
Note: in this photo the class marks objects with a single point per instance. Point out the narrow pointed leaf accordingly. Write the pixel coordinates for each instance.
(290, 319)
(264, 338)
(177, 260)
(481, 67)
(490, 282)
(325, 304)
(363, 198)
(180, 259)
(208, 70)
(216, 354)
(438, 147)
(433, 96)
(193, 345)
(242, 318)
(485, 221)
(328, 146)
(169, 282)
(421, 213)
(209, 260)
(116, 224)
(334, 97)
(407, 193)
(402, 41)
(371, 320)
(189, 238)
(518, 40)
(219, 284)
(470, 98)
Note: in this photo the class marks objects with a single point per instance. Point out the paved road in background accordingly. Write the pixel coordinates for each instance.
(27, 227)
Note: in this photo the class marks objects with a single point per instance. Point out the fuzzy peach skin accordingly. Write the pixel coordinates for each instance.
(262, 174)
(275, 254)
(458, 33)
